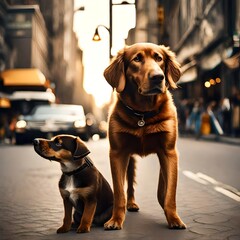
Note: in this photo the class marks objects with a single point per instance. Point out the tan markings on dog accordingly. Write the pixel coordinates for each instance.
(82, 192)
(63, 154)
(64, 193)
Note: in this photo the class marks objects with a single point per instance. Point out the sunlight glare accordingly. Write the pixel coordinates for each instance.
(96, 54)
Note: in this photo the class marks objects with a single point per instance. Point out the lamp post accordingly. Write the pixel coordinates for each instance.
(97, 37)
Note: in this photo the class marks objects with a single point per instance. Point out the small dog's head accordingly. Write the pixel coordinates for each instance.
(65, 149)
(148, 67)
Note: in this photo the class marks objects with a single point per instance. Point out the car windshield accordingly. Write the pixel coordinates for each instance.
(59, 110)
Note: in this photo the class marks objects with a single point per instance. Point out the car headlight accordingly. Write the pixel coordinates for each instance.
(21, 124)
(79, 123)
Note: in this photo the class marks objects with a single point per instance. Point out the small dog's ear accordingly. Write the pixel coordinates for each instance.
(115, 74)
(81, 149)
(172, 72)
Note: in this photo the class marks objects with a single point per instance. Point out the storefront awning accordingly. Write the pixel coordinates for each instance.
(32, 95)
(233, 62)
(210, 61)
(4, 103)
(23, 77)
(189, 72)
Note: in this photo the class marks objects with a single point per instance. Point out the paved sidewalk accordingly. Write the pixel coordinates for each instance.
(31, 206)
(215, 138)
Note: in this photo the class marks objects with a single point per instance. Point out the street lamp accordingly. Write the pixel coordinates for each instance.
(97, 37)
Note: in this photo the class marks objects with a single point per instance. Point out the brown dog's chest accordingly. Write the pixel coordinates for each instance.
(147, 144)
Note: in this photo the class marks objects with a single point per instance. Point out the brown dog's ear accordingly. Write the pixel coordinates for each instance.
(173, 72)
(115, 74)
(81, 149)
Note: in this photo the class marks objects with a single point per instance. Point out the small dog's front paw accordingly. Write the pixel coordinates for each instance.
(113, 224)
(83, 229)
(63, 229)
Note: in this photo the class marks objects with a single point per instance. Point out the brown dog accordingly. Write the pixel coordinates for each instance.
(81, 186)
(142, 121)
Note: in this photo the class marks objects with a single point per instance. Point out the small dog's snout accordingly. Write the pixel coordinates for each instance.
(36, 142)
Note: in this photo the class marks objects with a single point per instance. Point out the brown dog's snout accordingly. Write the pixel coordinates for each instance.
(156, 78)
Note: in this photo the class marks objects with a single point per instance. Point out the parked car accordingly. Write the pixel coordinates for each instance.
(96, 127)
(49, 120)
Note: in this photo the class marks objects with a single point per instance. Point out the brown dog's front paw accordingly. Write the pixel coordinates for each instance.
(176, 223)
(83, 229)
(132, 207)
(63, 229)
(113, 224)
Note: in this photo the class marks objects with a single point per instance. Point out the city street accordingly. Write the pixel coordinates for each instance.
(208, 195)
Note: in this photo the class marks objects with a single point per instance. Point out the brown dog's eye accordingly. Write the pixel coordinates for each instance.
(157, 58)
(138, 58)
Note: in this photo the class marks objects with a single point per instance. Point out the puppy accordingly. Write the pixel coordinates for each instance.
(82, 186)
(143, 120)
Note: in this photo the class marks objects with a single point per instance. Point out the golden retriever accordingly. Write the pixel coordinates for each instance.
(143, 120)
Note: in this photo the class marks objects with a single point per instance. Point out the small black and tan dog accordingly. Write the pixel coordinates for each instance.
(82, 186)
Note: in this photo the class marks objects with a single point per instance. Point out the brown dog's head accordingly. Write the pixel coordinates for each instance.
(61, 148)
(150, 67)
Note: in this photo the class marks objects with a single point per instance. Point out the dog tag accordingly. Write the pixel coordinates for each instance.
(141, 123)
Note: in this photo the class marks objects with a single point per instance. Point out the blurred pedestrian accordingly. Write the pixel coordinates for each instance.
(205, 123)
(224, 115)
(216, 128)
(194, 119)
(183, 113)
(235, 103)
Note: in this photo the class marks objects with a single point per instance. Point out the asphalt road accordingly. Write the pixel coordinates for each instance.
(208, 200)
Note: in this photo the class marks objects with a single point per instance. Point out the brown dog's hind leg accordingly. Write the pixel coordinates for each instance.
(161, 189)
(131, 204)
(167, 188)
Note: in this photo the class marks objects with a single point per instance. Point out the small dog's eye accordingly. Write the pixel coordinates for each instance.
(138, 58)
(157, 58)
(58, 144)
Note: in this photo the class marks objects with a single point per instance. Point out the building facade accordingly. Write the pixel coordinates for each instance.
(28, 35)
(206, 41)
(205, 37)
(39, 34)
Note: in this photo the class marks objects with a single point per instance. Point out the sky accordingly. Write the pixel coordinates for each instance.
(96, 54)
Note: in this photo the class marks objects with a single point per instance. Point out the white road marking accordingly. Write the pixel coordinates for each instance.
(202, 178)
(227, 193)
(207, 178)
(194, 177)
